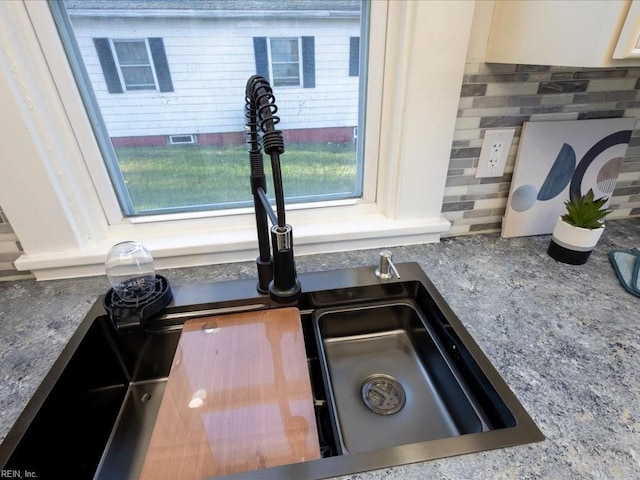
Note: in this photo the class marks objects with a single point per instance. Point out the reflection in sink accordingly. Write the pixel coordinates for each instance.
(95, 410)
(415, 394)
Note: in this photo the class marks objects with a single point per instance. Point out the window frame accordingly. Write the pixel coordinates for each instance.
(116, 56)
(69, 217)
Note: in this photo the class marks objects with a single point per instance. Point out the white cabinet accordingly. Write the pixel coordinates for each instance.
(584, 33)
(629, 41)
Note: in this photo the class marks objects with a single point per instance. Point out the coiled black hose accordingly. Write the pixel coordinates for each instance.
(260, 110)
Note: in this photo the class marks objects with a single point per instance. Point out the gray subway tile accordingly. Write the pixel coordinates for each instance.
(593, 97)
(621, 95)
(630, 167)
(489, 102)
(539, 77)
(499, 77)
(494, 68)
(522, 68)
(462, 180)
(485, 226)
(506, 178)
(497, 212)
(479, 196)
(626, 191)
(543, 109)
(634, 142)
(633, 151)
(525, 101)
(473, 89)
(562, 76)
(567, 86)
(457, 206)
(600, 114)
(460, 143)
(452, 172)
(561, 68)
(462, 163)
(613, 73)
(465, 152)
(628, 104)
(477, 213)
(559, 99)
(503, 121)
(589, 107)
(637, 84)
(635, 211)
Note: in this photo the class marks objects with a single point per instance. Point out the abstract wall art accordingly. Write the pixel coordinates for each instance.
(556, 159)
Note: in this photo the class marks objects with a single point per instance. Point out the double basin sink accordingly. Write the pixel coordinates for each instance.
(395, 376)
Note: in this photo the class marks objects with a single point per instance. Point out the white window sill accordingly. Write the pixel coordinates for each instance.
(184, 249)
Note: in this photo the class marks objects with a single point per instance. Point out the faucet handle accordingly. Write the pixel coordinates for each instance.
(386, 269)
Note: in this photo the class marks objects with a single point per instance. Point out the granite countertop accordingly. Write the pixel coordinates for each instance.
(565, 338)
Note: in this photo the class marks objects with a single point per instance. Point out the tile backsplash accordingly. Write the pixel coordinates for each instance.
(10, 250)
(506, 95)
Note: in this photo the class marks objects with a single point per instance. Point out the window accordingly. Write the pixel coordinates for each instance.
(191, 77)
(67, 222)
(127, 66)
(285, 61)
(133, 62)
(279, 59)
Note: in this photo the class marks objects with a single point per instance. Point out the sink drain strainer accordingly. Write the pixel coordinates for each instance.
(383, 394)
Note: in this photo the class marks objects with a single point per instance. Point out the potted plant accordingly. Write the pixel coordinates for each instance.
(577, 232)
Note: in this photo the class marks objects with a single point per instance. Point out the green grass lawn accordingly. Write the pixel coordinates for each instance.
(191, 175)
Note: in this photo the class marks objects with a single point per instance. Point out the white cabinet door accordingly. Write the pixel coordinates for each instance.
(581, 33)
(629, 42)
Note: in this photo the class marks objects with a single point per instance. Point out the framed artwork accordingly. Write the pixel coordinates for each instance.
(556, 159)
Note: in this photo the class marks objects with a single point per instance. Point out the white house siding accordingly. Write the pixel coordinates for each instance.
(210, 61)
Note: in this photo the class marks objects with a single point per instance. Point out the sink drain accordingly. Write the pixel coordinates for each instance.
(383, 394)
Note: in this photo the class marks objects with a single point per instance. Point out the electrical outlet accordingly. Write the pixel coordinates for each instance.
(494, 153)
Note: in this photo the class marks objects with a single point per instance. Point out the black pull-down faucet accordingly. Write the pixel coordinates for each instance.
(277, 271)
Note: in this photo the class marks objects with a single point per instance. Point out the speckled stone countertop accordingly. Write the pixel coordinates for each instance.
(566, 339)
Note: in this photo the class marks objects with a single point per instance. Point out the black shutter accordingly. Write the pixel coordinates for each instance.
(308, 62)
(354, 56)
(108, 64)
(262, 60)
(156, 45)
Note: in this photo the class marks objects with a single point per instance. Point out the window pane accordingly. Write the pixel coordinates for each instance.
(138, 78)
(285, 70)
(132, 53)
(197, 57)
(284, 50)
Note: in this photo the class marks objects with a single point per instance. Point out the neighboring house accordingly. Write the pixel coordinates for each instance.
(168, 72)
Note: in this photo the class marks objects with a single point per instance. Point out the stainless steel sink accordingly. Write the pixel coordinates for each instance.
(396, 379)
(389, 379)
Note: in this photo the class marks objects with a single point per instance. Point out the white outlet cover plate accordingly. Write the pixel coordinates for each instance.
(490, 165)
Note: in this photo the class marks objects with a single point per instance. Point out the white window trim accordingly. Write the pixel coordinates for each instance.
(270, 60)
(114, 52)
(64, 215)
